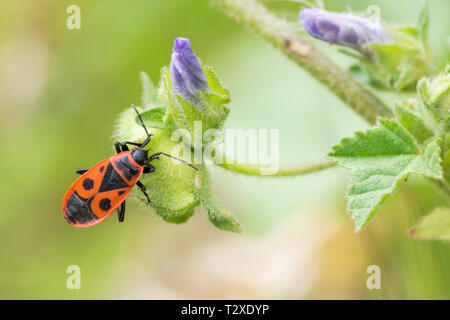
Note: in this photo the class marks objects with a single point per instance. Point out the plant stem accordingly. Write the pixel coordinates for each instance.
(288, 171)
(278, 32)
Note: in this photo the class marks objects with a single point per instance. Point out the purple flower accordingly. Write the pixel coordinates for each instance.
(343, 28)
(186, 72)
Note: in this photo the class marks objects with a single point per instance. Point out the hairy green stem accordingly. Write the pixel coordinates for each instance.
(285, 38)
(288, 171)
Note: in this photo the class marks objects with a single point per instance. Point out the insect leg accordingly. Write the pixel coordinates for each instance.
(120, 147)
(149, 169)
(82, 170)
(137, 144)
(117, 146)
(121, 212)
(140, 145)
(143, 188)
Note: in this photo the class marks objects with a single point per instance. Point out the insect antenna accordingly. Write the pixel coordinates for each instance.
(140, 119)
(143, 125)
(153, 156)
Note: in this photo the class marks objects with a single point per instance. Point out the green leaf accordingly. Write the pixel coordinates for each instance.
(435, 225)
(149, 93)
(380, 159)
(218, 215)
(446, 156)
(153, 118)
(423, 22)
(412, 121)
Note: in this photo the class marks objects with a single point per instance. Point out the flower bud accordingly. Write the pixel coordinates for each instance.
(186, 72)
(343, 28)
(393, 57)
(434, 95)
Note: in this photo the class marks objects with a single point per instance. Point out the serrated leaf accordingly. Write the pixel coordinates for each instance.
(412, 121)
(217, 213)
(380, 159)
(434, 226)
(149, 93)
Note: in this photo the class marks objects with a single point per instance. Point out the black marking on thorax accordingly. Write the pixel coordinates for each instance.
(124, 165)
(79, 209)
(112, 180)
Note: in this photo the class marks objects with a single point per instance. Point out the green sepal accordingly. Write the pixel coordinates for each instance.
(214, 83)
(434, 226)
(177, 216)
(434, 98)
(175, 118)
(217, 213)
(399, 65)
(216, 108)
(412, 121)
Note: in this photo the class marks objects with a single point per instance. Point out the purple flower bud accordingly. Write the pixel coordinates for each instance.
(343, 28)
(186, 72)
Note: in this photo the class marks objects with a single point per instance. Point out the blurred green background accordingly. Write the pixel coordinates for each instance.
(60, 94)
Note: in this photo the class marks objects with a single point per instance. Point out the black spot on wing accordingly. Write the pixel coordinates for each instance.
(111, 180)
(102, 168)
(79, 209)
(105, 204)
(88, 184)
(121, 192)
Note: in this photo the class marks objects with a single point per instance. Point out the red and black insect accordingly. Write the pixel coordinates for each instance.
(104, 188)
